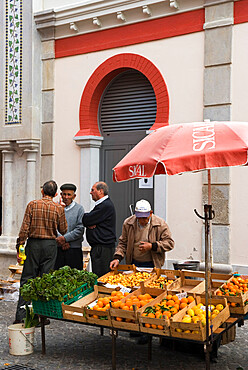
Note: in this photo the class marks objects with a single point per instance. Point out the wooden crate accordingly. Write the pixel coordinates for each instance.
(119, 270)
(176, 322)
(123, 270)
(162, 275)
(131, 316)
(190, 281)
(164, 322)
(241, 299)
(78, 311)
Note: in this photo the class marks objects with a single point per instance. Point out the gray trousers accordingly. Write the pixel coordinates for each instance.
(101, 256)
(41, 256)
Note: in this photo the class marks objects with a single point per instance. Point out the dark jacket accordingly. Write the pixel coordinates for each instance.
(104, 217)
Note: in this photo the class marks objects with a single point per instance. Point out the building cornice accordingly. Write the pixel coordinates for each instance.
(93, 16)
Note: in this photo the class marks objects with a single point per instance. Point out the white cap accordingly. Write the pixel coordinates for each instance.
(142, 208)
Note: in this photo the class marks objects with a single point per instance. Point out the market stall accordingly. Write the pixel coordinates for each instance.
(129, 299)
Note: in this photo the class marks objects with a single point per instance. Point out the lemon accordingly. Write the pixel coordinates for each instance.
(219, 307)
(187, 331)
(195, 319)
(186, 318)
(203, 321)
(190, 312)
(211, 307)
(216, 312)
(179, 330)
(213, 316)
(195, 332)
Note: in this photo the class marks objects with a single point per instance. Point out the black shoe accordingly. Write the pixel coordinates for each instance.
(18, 322)
(143, 339)
(46, 322)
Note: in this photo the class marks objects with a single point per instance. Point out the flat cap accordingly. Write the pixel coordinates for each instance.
(68, 187)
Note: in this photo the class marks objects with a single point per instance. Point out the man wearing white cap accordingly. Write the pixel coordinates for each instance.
(145, 239)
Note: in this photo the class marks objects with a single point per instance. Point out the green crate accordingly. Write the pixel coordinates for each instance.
(53, 308)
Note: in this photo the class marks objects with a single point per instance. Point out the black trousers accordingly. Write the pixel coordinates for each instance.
(41, 256)
(101, 256)
(72, 257)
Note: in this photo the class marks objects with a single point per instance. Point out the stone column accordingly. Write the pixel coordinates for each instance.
(89, 167)
(8, 206)
(217, 107)
(31, 156)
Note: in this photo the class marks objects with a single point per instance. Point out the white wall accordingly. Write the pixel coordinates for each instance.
(239, 175)
(180, 61)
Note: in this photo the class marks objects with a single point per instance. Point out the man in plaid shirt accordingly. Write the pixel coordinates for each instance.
(41, 221)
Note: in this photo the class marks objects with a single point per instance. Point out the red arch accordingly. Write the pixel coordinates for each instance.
(104, 74)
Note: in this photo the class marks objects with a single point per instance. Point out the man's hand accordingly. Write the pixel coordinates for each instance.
(92, 227)
(65, 246)
(18, 258)
(60, 240)
(114, 264)
(145, 246)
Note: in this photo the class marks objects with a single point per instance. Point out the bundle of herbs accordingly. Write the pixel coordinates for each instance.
(56, 284)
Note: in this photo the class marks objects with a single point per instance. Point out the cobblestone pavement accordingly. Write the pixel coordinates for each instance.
(75, 346)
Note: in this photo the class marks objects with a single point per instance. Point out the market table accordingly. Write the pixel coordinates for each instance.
(230, 323)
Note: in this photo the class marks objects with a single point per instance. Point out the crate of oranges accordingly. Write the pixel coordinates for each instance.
(126, 275)
(93, 308)
(162, 279)
(124, 313)
(191, 323)
(235, 290)
(155, 317)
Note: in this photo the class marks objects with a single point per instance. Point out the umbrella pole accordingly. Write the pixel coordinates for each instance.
(210, 226)
(207, 217)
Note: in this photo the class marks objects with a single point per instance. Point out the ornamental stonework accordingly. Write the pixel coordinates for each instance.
(13, 75)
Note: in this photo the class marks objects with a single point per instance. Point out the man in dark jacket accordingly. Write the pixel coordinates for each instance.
(100, 226)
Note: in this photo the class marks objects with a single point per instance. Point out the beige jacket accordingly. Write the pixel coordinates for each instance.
(159, 232)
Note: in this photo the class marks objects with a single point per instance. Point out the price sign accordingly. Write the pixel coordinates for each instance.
(110, 286)
(181, 295)
(92, 304)
(124, 289)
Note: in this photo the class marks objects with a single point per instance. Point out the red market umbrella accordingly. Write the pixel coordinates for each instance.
(188, 147)
(185, 147)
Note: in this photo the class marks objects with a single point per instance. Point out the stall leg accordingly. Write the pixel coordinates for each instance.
(43, 339)
(102, 330)
(207, 356)
(149, 347)
(114, 334)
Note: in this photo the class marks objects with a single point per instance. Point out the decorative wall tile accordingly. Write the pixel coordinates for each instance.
(13, 86)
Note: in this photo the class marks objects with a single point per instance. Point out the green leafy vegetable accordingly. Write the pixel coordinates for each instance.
(57, 284)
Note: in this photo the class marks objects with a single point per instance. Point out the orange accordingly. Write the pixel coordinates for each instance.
(100, 303)
(125, 294)
(113, 293)
(129, 302)
(114, 299)
(122, 304)
(147, 325)
(105, 300)
(184, 300)
(167, 313)
(175, 298)
(126, 308)
(143, 303)
(169, 296)
(151, 315)
(190, 299)
(182, 305)
(160, 327)
(154, 326)
(116, 304)
(118, 319)
(173, 310)
(170, 302)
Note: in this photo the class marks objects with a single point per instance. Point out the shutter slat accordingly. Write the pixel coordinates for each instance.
(129, 103)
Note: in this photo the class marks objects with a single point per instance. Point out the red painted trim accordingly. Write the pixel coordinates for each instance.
(104, 74)
(175, 25)
(241, 11)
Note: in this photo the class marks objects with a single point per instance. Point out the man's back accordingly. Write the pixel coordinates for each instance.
(42, 219)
